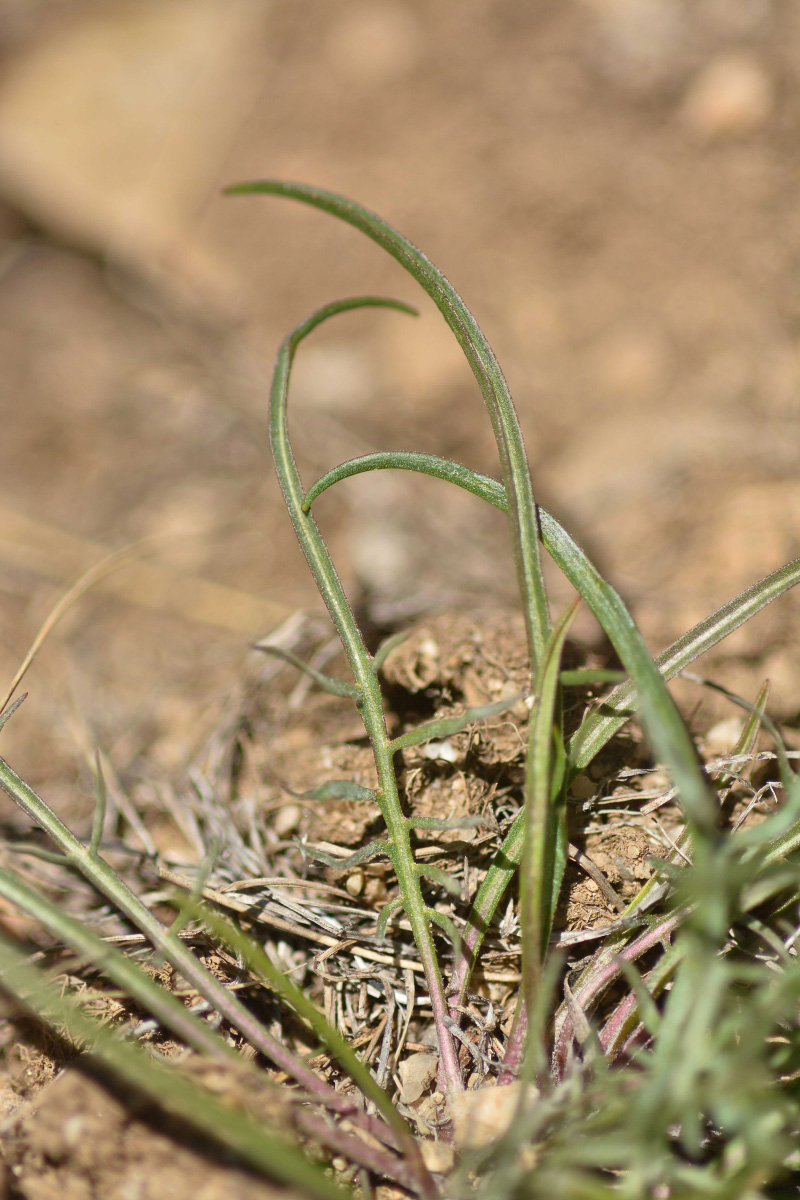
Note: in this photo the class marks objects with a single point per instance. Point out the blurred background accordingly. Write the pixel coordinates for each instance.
(612, 185)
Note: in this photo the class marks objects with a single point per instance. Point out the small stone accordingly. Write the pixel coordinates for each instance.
(481, 1117)
(733, 95)
(417, 1073)
(438, 1156)
(286, 819)
(722, 737)
(439, 751)
(354, 883)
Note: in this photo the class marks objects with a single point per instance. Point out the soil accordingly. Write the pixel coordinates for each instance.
(611, 185)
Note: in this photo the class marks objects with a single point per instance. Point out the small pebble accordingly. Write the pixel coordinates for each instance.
(733, 95)
(438, 1156)
(286, 819)
(355, 883)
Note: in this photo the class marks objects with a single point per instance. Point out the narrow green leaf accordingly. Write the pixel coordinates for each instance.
(386, 913)
(100, 801)
(338, 789)
(589, 675)
(446, 726)
(470, 822)
(280, 983)
(370, 704)
(522, 512)
(661, 718)
(443, 878)
(409, 460)
(386, 647)
(94, 868)
(9, 712)
(758, 715)
(601, 724)
(545, 844)
(448, 926)
(663, 723)
(228, 1126)
(364, 855)
(334, 687)
(163, 1005)
(646, 1009)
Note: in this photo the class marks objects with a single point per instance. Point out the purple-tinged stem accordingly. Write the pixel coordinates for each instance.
(594, 987)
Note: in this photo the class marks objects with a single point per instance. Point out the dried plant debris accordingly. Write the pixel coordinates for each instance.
(249, 800)
(442, 665)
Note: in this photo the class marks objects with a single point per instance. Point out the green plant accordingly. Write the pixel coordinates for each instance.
(704, 1099)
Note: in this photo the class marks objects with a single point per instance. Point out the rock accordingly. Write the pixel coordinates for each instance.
(114, 128)
(733, 95)
(484, 1115)
(438, 1156)
(417, 1073)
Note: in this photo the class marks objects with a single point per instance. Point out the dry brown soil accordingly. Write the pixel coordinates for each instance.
(612, 186)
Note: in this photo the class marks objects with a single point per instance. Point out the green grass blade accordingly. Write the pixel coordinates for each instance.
(484, 486)
(385, 649)
(230, 1127)
(617, 708)
(364, 854)
(522, 512)
(94, 868)
(470, 822)
(443, 878)
(305, 527)
(662, 721)
(168, 1009)
(584, 677)
(334, 687)
(370, 703)
(601, 725)
(258, 961)
(338, 789)
(544, 852)
(7, 713)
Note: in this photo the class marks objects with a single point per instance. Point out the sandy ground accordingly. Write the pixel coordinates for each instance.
(610, 184)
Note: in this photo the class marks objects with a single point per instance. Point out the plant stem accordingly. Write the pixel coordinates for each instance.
(523, 516)
(370, 701)
(101, 876)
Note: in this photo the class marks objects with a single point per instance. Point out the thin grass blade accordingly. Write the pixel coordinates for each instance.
(94, 868)
(259, 962)
(522, 512)
(117, 967)
(334, 687)
(230, 1127)
(544, 853)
